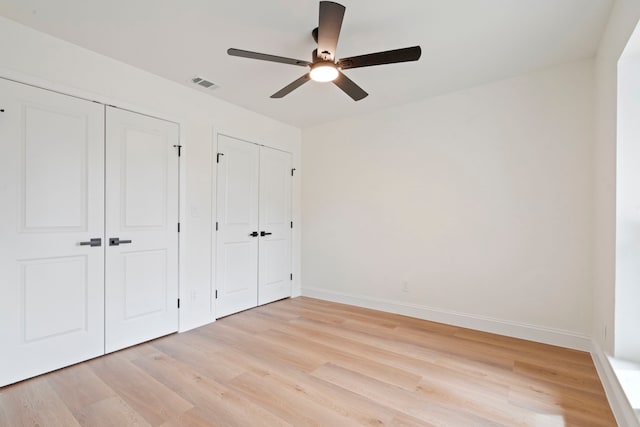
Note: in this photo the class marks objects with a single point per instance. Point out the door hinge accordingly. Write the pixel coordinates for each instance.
(178, 227)
(291, 276)
(216, 294)
(178, 302)
(179, 147)
(218, 157)
(292, 171)
(216, 225)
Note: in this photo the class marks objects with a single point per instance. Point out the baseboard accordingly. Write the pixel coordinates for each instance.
(622, 409)
(551, 336)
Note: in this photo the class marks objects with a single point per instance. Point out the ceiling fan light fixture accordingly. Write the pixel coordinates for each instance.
(323, 72)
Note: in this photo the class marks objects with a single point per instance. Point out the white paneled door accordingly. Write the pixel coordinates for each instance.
(51, 231)
(253, 246)
(237, 235)
(274, 256)
(141, 276)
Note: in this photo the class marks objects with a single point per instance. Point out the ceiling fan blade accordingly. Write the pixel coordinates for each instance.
(379, 58)
(349, 87)
(291, 86)
(330, 22)
(265, 57)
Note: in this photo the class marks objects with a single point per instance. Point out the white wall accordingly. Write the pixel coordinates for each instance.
(33, 57)
(480, 200)
(622, 21)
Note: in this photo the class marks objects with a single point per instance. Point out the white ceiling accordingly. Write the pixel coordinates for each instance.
(464, 43)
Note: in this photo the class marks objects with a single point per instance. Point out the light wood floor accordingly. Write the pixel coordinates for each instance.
(310, 362)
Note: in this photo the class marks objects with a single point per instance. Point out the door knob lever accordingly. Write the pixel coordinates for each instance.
(92, 242)
(115, 241)
(264, 233)
(254, 234)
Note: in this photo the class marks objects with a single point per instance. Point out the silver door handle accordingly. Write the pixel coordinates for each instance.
(115, 241)
(92, 242)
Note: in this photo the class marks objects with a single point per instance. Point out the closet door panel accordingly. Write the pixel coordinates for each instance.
(274, 266)
(52, 201)
(236, 266)
(141, 227)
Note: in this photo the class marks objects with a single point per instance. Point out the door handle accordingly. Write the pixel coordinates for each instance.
(92, 242)
(254, 234)
(264, 233)
(115, 241)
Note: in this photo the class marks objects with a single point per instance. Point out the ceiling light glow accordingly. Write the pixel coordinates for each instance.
(324, 72)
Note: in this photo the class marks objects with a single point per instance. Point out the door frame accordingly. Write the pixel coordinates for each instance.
(214, 212)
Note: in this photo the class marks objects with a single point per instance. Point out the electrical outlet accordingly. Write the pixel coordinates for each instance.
(405, 286)
(194, 295)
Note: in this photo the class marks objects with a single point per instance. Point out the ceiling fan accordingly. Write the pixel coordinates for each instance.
(324, 67)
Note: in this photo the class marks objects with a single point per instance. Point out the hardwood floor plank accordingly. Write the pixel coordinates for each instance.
(34, 403)
(576, 410)
(79, 387)
(570, 378)
(241, 340)
(404, 420)
(323, 317)
(358, 349)
(311, 362)
(377, 317)
(465, 383)
(154, 402)
(288, 403)
(333, 311)
(201, 360)
(486, 405)
(392, 397)
(140, 350)
(529, 347)
(386, 373)
(359, 408)
(412, 342)
(216, 402)
(110, 412)
(385, 343)
(191, 418)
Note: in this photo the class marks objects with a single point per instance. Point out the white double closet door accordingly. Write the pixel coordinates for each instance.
(253, 246)
(66, 294)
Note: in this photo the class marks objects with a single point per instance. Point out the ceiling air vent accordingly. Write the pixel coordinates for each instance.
(204, 83)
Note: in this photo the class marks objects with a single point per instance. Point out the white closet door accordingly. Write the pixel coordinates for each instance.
(274, 266)
(142, 212)
(237, 213)
(51, 200)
